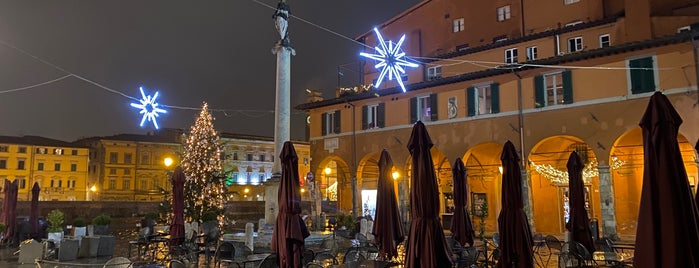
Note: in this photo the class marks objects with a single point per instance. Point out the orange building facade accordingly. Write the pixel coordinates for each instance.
(552, 76)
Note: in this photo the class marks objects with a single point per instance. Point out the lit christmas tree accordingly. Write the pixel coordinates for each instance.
(204, 187)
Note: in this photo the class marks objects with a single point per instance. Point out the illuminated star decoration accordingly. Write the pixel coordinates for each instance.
(149, 108)
(390, 59)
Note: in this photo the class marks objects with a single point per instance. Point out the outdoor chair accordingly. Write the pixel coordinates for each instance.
(141, 242)
(353, 255)
(582, 256)
(467, 258)
(269, 262)
(554, 246)
(118, 262)
(307, 256)
(325, 259)
(225, 253)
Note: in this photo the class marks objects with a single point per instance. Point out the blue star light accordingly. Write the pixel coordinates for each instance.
(149, 108)
(390, 59)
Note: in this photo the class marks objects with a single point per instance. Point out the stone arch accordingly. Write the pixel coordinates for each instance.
(334, 180)
(483, 165)
(549, 181)
(626, 170)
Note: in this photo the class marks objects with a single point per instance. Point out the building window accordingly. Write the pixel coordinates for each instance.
(573, 23)
(22, 150)
(60, 183)
(330, 122)
(156, 183)
(511, 56)
(57, 167)
(112, 184)
(21, 182)
(458, 25)
(575, 44)
(73, 167)
(40, 166)
(112, 171)
(144, 184)
(3, 148)
(249, 156)
(145, 159)
(483, 99)
(423, 108)
(262, 157)
(74, 152)
(126, 184)
(553, 89)
(235, 156)
(127, 171)
(58, 151)
(20, 164)
(41, 150)
(3, 163)
(532, 53)
(504, 13)
(642, 75)
(604, 40)
(373, 116)
(434, 73)
(127, 158)
(113, 158)
(568, 2)
(684, 29)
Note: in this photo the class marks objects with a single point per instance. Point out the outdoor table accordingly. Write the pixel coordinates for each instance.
(612, 258)
(623, 247)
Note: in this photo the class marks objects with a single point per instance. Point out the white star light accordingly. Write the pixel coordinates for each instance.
(149, 108)
(390, 59)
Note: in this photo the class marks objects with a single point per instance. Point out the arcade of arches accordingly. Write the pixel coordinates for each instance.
(612, 182)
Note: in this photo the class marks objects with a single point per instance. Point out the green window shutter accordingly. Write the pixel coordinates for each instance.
(433, 107)
(413, 110)
(364, 116)
(381, 115)
(471, 100)
(323, 124)
(642, 80)
(494, 98)
(336, 122)
(567, 87)
(539, 91)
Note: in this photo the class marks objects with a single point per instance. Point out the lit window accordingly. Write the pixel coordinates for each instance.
(434, 72)
(511, 56)
(504, 13)
(458, 25)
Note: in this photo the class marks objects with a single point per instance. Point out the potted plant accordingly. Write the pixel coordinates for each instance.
(346, 225)
(101, 223)
(79, 227)
(55, 230)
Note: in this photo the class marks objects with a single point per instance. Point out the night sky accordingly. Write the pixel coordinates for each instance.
(191, 51)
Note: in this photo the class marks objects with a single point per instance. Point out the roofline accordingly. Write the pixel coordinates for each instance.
(394, 18)
(556, 60)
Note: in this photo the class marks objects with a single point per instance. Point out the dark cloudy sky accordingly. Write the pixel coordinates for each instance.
(216, 51)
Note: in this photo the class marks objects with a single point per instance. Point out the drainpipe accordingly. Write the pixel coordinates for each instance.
(520, 115)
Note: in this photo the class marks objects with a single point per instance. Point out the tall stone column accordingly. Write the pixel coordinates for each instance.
(283, 51)
(527, 198)
(606, 192)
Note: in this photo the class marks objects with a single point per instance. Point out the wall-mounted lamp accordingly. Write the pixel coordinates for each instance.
(395, 175)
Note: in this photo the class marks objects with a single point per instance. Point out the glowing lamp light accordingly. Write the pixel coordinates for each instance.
(167, 161)
(149, 108)
(395, 175)
(390, 58)
(327, 171)
(303, 190)
(246, 190)
(93, 188)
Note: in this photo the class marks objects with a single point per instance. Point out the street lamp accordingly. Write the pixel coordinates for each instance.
(395, 175)
(167, 161)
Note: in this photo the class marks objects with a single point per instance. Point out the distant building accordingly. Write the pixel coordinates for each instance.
(552, 76)
(59, 167)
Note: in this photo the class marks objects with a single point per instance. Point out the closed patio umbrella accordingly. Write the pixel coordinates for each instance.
(34, 212)
(515, 235)
(578, 223)
(426, 245)
(289, 229)
(668, 225)
(461, 227)
(9, 211)
(388, 229)
(177, 227)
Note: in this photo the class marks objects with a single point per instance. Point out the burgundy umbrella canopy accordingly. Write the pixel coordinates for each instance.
(289, 229)
(177, 227)
(578, 223)
(668, 225)
(515, 235)
(426, 245)
(388, 230)
(34, 212)
(9, 210)
(461, 226)
(696, 194)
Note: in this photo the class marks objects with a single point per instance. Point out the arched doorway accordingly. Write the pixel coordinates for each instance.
(334, 181)
(549, 178)
(627, 175)
(484, 173)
